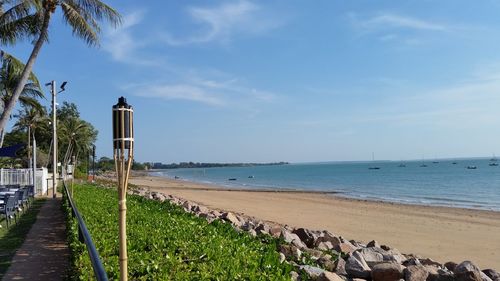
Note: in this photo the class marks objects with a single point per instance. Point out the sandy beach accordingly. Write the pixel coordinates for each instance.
(443, 234)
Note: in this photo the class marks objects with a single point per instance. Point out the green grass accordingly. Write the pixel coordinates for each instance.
(166, 243)
(13, 237)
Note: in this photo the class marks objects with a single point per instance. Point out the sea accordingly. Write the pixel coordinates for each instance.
(450, 183)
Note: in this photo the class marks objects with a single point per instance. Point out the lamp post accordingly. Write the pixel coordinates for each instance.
(54, 133)
(93, 162)
(123, 153)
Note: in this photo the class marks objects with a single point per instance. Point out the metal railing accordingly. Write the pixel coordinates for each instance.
(85, 237)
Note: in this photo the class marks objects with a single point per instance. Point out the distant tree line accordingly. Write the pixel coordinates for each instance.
(209, 165)
(108, 164)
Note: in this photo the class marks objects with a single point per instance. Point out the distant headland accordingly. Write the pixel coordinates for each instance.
(159, 165)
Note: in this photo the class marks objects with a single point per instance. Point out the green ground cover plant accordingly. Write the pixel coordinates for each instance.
(166, 243)
(13, 237)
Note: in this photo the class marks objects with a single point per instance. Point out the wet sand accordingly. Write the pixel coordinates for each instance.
(443, 234)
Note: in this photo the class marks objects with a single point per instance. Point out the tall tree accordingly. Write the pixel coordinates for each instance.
(10, 72)
(82, 15)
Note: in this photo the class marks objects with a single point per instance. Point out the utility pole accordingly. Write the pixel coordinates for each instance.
(54, 140)
(54, 133)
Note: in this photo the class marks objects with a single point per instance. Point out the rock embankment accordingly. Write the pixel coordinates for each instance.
(324, 256)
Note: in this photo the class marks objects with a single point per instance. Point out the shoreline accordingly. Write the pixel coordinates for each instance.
(440, 233)
(337, 194)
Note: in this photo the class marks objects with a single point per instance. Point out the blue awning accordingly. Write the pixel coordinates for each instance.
(10, 151)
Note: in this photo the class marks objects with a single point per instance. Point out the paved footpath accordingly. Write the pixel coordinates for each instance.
(44, 254)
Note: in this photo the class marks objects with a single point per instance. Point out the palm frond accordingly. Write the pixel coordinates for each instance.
(83, 28)
(18, 21)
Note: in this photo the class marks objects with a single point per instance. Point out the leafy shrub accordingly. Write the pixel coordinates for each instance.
(166, 243)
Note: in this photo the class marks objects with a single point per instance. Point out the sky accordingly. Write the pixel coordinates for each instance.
(286, 80)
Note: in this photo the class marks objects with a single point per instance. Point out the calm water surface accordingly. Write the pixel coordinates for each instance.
(443, 183)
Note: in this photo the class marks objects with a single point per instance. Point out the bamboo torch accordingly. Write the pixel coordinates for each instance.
(123, 152)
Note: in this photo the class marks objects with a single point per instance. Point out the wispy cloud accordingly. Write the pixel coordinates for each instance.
(122, 45)
(399, 21)
(178, 92)
(211, 92)
(222, 22)
(391, 27)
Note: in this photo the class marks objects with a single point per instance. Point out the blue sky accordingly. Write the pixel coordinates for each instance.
(298, 81)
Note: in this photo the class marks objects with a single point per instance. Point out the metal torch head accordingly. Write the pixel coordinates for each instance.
(123, 125)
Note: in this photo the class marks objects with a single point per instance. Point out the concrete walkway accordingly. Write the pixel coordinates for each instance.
(44, 254)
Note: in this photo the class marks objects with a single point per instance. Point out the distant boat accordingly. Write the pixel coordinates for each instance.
(250, 177)
(401, 165)
(232, 179)
(423, 165)
(435, 162)
(176, 177)
(373, 160)
(493, 164)
(494, 159)
(471, 167)
(454, 163)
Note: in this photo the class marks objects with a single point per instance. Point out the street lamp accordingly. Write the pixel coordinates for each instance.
(123, 152)
(54, 132)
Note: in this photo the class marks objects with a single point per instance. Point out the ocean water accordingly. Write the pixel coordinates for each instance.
(441, 184)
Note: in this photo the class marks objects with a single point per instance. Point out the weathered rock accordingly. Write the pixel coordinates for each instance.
(485, 277)
(387, 272)
(326, 236)
(373, 243)
(232, 218)
(314, 253)
(428, 261)
(340, 267)
(313, 271)
(492, 274)
(294, 276)
(329, 276)
(262, 227)
(187, 206)
(345, 247)
(415, 273)
(292, 238)
(306, 236)
(442, 275)
(248, 225)
(252, 233)
(326, 262)
(411, 261)
(356, 266)
(450, 265)
(282, 258)
(275, 231)
(325, 246)
(467, 271)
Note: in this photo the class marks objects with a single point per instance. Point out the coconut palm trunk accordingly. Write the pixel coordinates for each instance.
(27, 69)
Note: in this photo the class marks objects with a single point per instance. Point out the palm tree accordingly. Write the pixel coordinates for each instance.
(75, 135)
(18, 21)
(83, 17)
(29, 118)
(10, 72)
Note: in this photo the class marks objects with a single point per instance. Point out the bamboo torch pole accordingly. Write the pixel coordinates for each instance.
(123, 147)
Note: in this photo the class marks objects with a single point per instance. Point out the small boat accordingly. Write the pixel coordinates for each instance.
(435, 162)
(373, 160)
(471, 167)
(250, 177)
(493, 164)
(423, 165)
(454, 163)
(232, 179)
(494, 159)
(176, 177)
(402, 165)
